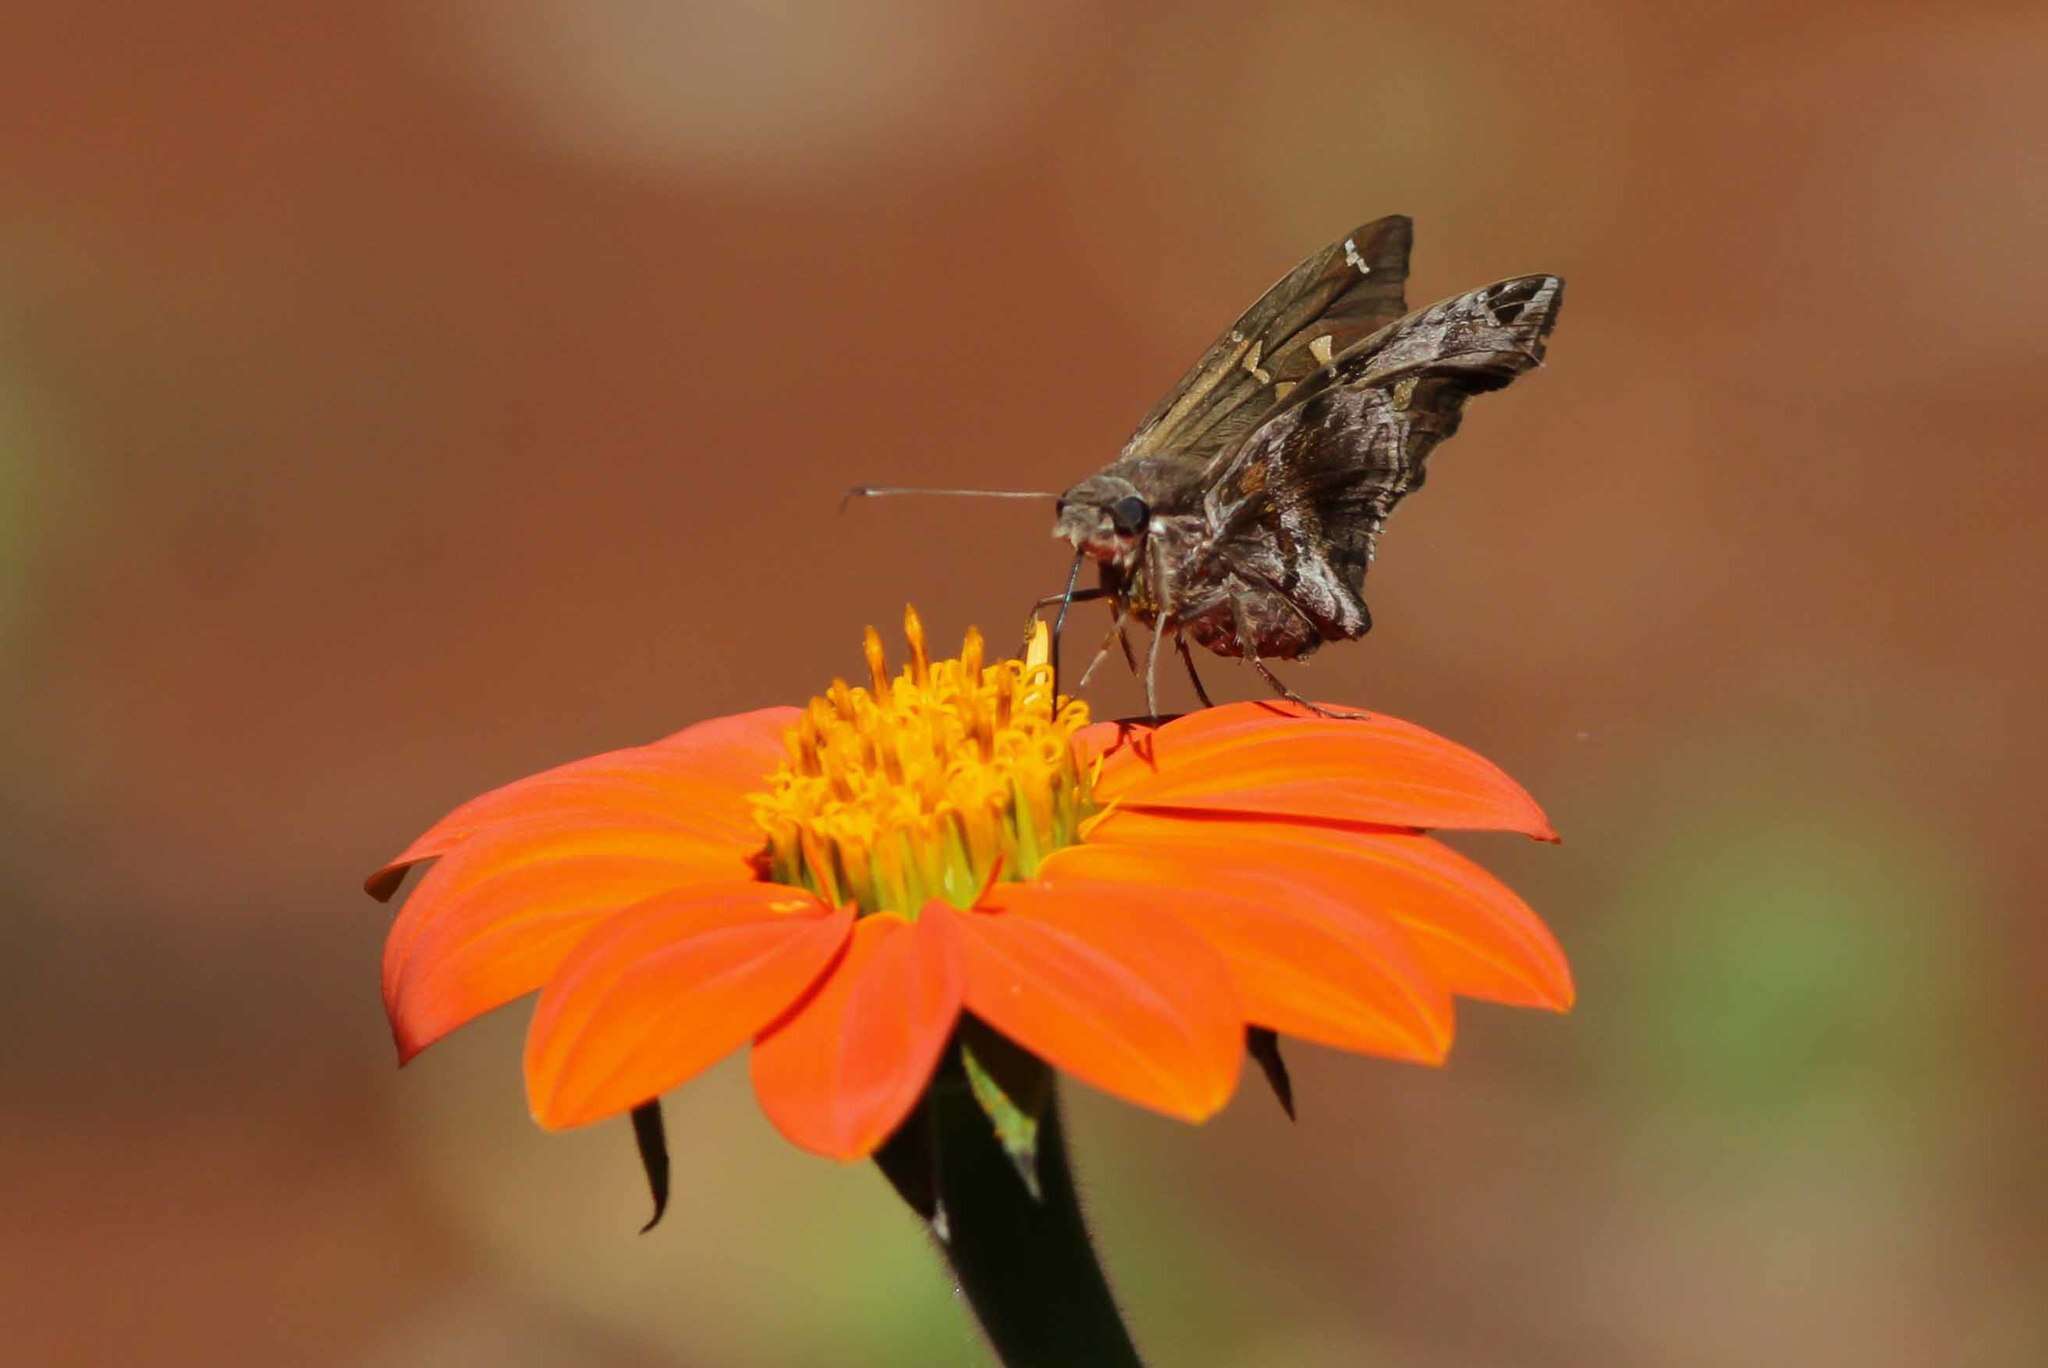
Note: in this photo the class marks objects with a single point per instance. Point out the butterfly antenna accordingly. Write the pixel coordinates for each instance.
(890, 491)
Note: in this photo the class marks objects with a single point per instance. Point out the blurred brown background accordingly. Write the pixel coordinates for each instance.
(397, 399)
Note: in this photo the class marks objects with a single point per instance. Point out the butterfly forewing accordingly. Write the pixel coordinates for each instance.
(1337, 297)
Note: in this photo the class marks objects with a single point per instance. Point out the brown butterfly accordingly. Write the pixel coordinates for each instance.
(1244, 511)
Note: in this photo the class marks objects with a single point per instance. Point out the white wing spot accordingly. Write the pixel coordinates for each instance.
(1251, 363)
(1320, 350)
(1280, 390)
(1352, 257)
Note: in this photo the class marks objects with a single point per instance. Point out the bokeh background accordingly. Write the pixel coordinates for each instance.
(397, 399)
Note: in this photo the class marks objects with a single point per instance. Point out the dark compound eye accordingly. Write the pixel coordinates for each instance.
(1129, 513)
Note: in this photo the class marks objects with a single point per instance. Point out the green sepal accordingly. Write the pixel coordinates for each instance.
(1012, 1086)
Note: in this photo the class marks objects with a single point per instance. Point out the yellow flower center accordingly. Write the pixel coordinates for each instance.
(929, 784)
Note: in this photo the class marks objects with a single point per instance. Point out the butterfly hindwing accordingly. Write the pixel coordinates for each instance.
(1314, 484)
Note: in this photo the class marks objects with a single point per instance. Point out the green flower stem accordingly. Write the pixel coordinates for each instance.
(1027, 1267)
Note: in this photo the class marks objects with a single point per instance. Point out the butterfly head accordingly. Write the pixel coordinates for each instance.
(1104, 517)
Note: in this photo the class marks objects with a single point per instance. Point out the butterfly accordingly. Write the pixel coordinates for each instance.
(1247, 507)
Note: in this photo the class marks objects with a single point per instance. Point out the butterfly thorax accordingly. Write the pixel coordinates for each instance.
(1156, 548)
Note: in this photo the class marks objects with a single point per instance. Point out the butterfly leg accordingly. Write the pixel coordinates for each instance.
(1116, 634)
(1280, 687)
(1123, 639)
(1152, 670)
(1164, 616)
(1187, 658)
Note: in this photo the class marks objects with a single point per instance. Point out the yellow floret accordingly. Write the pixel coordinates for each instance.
(928, 784)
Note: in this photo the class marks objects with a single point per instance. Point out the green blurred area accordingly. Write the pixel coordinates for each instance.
(394, 402)
(1797, 949)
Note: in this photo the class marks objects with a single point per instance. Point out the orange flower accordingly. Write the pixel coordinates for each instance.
(837, 883)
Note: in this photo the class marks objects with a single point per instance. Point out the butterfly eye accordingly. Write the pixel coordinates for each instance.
(1129, 513)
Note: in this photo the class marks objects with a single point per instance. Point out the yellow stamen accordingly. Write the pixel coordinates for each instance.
(913, 632)
(878, 664)
(928, 784)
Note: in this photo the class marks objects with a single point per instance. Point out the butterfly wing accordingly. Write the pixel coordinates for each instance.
(1305, 496)
(1335, 298)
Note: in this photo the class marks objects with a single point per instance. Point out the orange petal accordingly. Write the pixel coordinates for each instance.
(695, 779)
(842, 1070)
(665, 989)
(493, 919)
(738, 751)
(1307, 959)
(1278, 759)
(1098, 981)
(1475, 935)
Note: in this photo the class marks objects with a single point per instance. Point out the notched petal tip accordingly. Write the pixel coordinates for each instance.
(1309, 954)
(664, 990)
(493, 920)
(695, 779)
(1470, 932)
